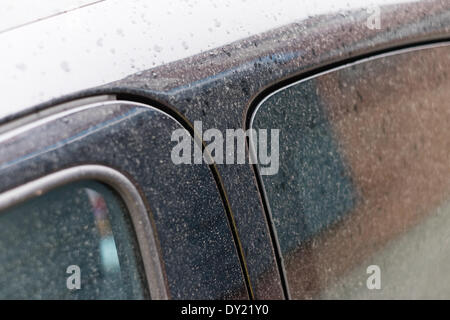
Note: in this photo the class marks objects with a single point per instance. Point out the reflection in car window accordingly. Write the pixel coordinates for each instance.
(82, 224)
(364, 177)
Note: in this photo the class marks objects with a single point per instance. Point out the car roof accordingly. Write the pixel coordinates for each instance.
(50, 48)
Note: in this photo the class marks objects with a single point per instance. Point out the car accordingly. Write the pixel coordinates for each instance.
(205, 150)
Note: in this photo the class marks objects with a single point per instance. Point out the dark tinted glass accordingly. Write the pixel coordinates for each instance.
(364, 178)
(82, 224)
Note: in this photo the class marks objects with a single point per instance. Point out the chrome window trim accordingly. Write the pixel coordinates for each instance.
(131, 197)
(55, 110)
(20, 125)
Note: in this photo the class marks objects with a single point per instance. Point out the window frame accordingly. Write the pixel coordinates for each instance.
(129, 194)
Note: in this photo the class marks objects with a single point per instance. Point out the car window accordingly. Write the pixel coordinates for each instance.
(73, 242)
(361, 202)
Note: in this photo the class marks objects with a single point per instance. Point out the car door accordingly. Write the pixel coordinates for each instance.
(93, 189)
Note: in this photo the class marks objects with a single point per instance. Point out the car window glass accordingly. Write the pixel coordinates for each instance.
(80, 229)
(363, 189)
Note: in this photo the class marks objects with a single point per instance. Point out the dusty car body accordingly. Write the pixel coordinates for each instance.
(362, 112)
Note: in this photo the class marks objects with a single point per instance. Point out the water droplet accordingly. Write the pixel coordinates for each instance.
(65, 66)
(21, 66)
(120, 32)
